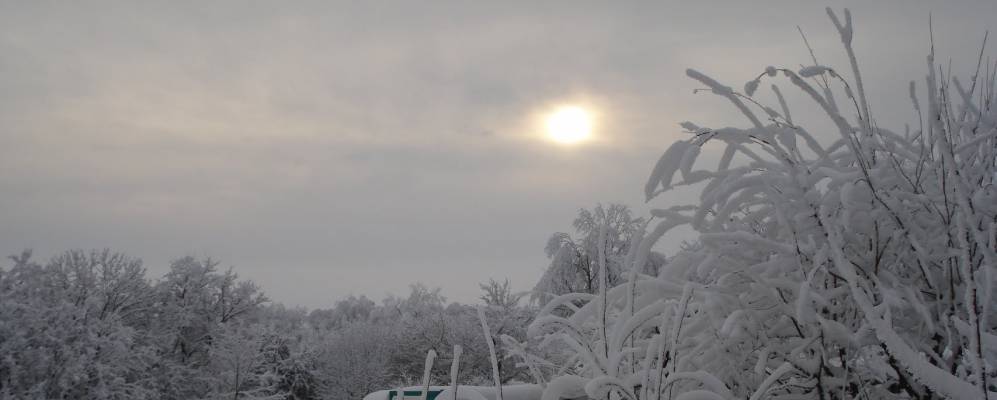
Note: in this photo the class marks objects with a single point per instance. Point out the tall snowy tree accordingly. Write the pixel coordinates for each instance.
(505, 317)
(574, 267)
(68, 328)
(196, 304)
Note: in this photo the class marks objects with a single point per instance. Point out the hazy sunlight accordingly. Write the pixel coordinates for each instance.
(569, 125)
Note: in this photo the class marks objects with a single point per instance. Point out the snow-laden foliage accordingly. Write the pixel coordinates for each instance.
(490, 341)
(574, 266)
(92, 325)
(68, 328)
(860, 268)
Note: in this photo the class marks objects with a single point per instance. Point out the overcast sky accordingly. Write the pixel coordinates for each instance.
(331, 148)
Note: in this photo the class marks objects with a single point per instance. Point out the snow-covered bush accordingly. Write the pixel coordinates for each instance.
(862, 268)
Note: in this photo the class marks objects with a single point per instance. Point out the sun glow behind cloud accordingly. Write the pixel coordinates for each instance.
(207, 126)
(569, 125)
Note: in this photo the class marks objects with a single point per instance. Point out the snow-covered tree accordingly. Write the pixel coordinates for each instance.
(288, 368)
(351, 309)
(196, 300)
(573, 267)
(236, 366)
(859, 268)
(507, 318)
(357, 360)
(499, 294)
(91, 325)
(68, 327)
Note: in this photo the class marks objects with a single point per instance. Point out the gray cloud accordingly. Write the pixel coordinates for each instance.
(332, 148)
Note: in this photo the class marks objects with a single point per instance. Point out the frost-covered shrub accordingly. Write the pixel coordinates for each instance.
(863, 268)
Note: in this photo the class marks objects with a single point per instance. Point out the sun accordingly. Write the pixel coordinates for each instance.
(569, 125)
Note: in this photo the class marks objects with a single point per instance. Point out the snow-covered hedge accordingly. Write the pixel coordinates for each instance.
(863, 268)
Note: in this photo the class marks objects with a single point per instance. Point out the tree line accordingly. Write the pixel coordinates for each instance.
(93, 325)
